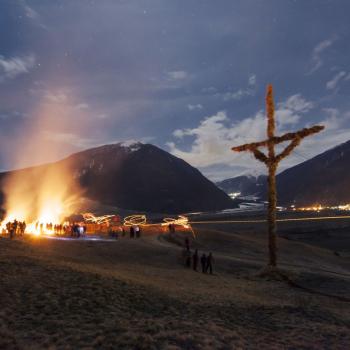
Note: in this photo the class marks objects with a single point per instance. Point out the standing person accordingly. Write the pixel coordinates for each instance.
(24, 226)
(209, 264)
(8, 227)
(195, 260)
(15, 227)
(188, 259)
(132, 232)
(204, 263)
(11, 230)
(187, 243)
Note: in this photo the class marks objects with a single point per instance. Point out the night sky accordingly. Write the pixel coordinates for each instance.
(186, 75)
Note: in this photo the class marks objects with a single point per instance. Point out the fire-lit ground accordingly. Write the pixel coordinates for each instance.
(134, 293)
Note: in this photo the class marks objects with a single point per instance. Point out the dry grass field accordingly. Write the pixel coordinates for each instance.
(135, 294)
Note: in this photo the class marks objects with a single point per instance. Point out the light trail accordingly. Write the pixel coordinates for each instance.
(264, 220)
(181, 220)
(89, 217)
(132, 220)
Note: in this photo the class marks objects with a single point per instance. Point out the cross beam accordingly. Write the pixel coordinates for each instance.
(272, 160)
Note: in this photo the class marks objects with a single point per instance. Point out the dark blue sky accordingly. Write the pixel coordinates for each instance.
(188, 76)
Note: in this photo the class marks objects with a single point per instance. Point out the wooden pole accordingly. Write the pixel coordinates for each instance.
(272, 168)
(271, 215)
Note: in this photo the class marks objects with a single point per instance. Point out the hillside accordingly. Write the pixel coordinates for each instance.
(136, 294)
(137, 177)
(323, 180)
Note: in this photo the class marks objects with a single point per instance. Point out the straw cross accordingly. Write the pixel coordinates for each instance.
(272, 160)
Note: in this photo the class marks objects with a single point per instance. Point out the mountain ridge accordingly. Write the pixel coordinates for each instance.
(140, 177)
(322, 179)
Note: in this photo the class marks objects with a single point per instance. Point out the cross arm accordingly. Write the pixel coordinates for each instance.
(249, 146)
(296, 138)
(301, 134)
(252, 147)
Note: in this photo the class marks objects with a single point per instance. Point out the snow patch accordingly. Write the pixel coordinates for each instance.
(131, 145)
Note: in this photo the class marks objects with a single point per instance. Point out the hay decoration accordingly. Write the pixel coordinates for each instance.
(272, 161)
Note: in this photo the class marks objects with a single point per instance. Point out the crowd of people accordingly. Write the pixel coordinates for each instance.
(15, 227)
(134, 231)
(192, 260)
(18, 228)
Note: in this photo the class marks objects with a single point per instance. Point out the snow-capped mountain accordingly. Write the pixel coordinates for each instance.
(141, 177)
(243, 186)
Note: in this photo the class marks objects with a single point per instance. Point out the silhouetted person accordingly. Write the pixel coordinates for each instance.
(204, 263)
(171, 228)
(15, 227)
(132, 232)
(209, 265)
(138, 231)
(187, 243)
(23, 227)
(195, 259)
(8, 227)
(11, 231)
(188, 258)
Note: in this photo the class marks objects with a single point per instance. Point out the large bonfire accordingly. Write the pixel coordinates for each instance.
(40, 197)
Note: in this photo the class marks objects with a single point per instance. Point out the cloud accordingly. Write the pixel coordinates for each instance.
(333, 83)
(194, 107)
(215, 135)
(58, 97)
(102, 116)
(297, 103)
(10, 68)
(70, 139)
(209, 90)
(252, 80)
(316, 57)
(177, 75)
(30, 12)
(239, 94)
(81, 106)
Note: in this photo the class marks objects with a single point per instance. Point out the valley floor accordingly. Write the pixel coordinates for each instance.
(135, 294)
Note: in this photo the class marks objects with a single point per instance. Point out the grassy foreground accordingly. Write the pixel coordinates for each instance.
(134, 294)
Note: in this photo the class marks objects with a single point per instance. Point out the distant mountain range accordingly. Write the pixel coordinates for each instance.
(323, 180)
(138, 177)
(243, 186)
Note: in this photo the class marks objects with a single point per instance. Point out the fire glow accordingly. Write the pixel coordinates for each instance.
(42, 198)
